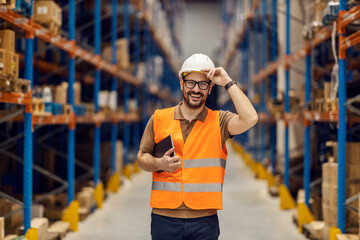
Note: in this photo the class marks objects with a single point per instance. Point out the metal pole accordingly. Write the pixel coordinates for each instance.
(263, 84)
(342, 125)
(136, 134)
(273, 82)
(287, 106)
(71, 129)
(147, 71)
(114, 86)
(247, 82)
(256, 70)
(96, 91)
(307, 157)
(28, 141)
(126, 87)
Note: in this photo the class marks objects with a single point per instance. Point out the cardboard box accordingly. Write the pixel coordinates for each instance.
(77, 93)
(61, 94)
(347, 237)
(329, 193)
(330, 215)
(37, 211)
(122, 53)
(58, 229)
(7, 40)
(46, 12)
(14, 220)
(2, 228)
(85, 199)
(41, 224)
(9, 63)
(8, 3)
(329, 173)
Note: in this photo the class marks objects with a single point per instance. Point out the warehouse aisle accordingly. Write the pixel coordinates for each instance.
(249, 212)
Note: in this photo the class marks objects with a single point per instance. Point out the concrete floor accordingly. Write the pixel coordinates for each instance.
(248, 213)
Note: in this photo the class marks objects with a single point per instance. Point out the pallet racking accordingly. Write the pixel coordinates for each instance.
(268, 72)
(21, 18)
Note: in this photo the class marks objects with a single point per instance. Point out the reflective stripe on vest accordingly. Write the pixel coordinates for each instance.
(204, 162)
(190, 187)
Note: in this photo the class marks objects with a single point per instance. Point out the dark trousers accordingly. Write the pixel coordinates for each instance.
(169, 228)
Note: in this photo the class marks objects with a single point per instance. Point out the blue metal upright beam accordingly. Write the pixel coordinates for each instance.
(287, 104)
(256, 89)
(71, 130)
(114, 84)
(247, 80)
(307, 140)
(273, 84)
(28, 141)
(136, 133)
(96, 91)
(342, 126)
(126, 86)
(263, 83)
(145, 99)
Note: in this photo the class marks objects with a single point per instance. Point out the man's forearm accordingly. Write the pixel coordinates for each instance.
(243, 106)
(147, 162)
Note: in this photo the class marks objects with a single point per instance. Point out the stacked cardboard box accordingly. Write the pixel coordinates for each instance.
(15, 220)
(2, 228)
(41, 224)
(122, 53)
(86, 201)
(8, 3)
(330, 188)
(329, 193)
(57, 230)
(49, 14)
(9, 60)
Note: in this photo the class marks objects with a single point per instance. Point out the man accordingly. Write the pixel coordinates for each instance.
(187, 188)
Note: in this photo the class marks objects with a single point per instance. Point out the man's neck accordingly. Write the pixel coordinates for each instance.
(190, 113)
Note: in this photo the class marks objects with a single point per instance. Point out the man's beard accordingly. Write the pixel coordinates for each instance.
(190, 103)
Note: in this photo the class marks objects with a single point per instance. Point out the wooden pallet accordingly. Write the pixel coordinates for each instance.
(313, 230)
(39, 107)
(274, 191)
(22, 86)
(58, 230)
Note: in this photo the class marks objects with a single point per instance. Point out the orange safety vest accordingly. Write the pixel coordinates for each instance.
(199, 182)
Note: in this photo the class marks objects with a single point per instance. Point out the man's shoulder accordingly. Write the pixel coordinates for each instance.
(162, 110)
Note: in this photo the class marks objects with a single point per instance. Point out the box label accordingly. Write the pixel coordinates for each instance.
(42, 10)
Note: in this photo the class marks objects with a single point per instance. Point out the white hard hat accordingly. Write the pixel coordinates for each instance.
(196, 63)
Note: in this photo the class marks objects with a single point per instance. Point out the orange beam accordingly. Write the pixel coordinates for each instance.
(320, 37)
(16, 98)
(350, 41)
(352, 15)
(43, 33)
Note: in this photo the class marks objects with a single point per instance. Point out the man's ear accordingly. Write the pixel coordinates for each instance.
(181, 83)
(211, 86)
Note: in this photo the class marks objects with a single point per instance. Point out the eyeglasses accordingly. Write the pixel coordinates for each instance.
(203, 85)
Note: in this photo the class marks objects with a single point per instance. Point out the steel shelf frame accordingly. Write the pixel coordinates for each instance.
(263, 84)
(70, 47)
(342, 119)
(345, 43)
(33, 30)
(126, 87)
(97, 45)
